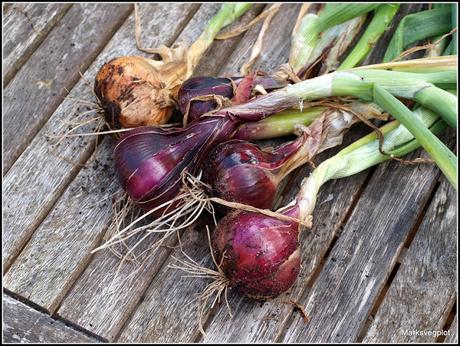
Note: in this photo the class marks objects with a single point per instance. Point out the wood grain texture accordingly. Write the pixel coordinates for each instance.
(168, 311)
(40, 86)
(25, 26)
(362, 258)
(92, 307)
(38, 177)
(424, 289)
(275, 46)
(22, 324)
(453, 332)
(60, 248)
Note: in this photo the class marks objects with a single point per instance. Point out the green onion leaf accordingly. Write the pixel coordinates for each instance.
(438, 151)
(380, 21)
(418, 26)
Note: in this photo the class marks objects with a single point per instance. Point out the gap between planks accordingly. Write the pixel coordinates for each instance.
(399, 260)
(39, 310)
(426, 274)
(348, 271)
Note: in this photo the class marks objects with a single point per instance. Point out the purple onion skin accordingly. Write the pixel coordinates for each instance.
(202, 86)
(261, 253)
(239, 171)
(149, 161)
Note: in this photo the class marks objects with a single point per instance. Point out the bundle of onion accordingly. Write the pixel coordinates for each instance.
(150, 162)
(137, 91)
(260, 254)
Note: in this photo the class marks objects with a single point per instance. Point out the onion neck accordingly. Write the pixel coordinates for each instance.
(226, 15)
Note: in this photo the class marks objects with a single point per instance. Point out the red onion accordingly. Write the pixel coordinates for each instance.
(199, 87)
(149, 161)
(259, 255)
(239, 171)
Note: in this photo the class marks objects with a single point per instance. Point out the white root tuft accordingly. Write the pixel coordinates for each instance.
(219, 285)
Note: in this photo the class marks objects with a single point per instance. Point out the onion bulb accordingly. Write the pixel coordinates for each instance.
(259, 255)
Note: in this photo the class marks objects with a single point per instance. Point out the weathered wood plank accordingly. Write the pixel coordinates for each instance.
(38, 177)
(424, 289)
(93, 308)
(362, 258)
(453, 332)
(60, 248)
(274, 52)
(22, 324)
(39, 87)
(180, 321)
(25, 26)
(168, 311)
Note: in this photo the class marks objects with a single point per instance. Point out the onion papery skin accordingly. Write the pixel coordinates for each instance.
(199, 87)
(259, 254)
(133, 93)
(220, 87)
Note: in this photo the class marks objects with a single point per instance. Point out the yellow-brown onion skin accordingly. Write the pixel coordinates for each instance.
(132, 93)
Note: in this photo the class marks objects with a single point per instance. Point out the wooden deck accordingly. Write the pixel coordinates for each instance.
(379, 262)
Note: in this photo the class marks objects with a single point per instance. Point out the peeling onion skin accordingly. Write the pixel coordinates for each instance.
(132, 94)
(261, 253)
(199, 87)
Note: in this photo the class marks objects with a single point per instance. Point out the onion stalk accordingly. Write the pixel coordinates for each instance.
(379, 23)
(306, 39)
(418, 26)
(443, 157)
